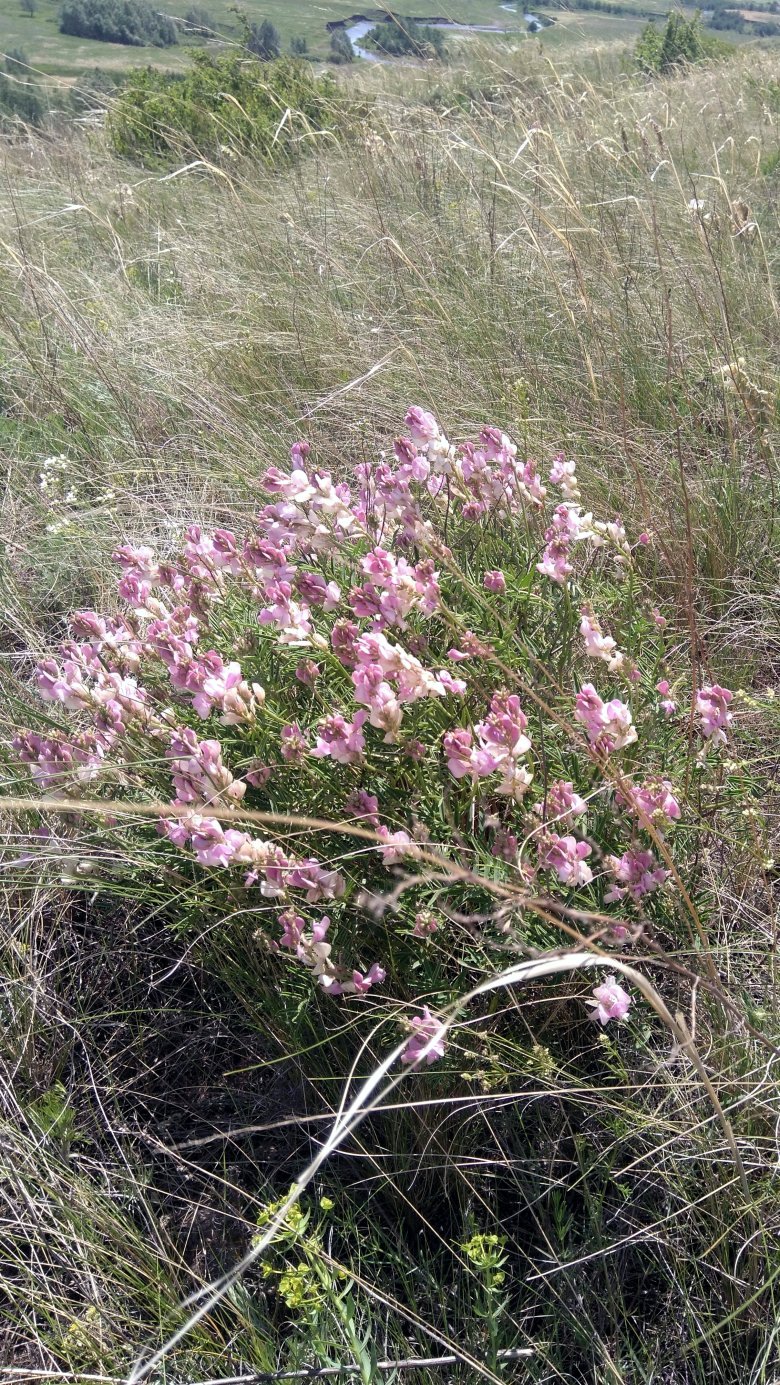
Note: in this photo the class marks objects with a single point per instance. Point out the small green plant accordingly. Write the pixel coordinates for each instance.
(317, 1291)
(487, 1254)
(229, 102)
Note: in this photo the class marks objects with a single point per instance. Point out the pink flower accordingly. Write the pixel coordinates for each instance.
(298, 454)
(425, 924)
(567, 857)
(654, 800)
(610, 1001)
(422, 426)
(307, 672)
(341, 740)
(668, 705)
(608, 725)
(293, 744)
(564, 474)
(458, 750)
(414, 750)
(562, 803)
(258, 776)
(427, 1041)
(558, 538)
(373, 977)
(712, 703)
(658, 620)
(637, 873)
(598, 646)
(293, 927)
(494, 581)
(363, 806)
(398, 846)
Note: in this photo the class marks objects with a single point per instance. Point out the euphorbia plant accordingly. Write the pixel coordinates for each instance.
(416, 655)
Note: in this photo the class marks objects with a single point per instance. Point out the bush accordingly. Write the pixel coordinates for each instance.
(341, 50)
(199, 21)
(414, 691)
(20, 96)
(402, 36)
(263, 40)
(681, 42)
(133, 22)
(229, 101)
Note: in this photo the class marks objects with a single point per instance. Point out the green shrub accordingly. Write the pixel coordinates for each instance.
(403, 37)
(229, 101)
(341, 50)
(117, 21)
(263, 40)
(681, 42)
(20, 97)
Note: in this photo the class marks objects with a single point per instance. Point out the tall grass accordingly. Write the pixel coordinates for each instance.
(507, 243)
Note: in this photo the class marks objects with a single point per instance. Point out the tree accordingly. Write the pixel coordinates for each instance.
(299, 47)
(341, 50)
(681, 42)
(117, 21)
(28, 6)
(199, 21)
(264, 41)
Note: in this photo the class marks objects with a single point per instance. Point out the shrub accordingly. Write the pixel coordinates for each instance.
(682, 41)
(408, 674)
(402, 36)
(133, 22)
(20, 96)
(226, 101)
(341, 50)
(263, 40)
(199, 21)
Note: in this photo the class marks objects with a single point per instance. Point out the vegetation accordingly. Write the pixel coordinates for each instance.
(401, 37)
(568, 274)
(117, 21)
(341, 50)
(682, 41)
(263, 40)
(20, 96)
(227, 103)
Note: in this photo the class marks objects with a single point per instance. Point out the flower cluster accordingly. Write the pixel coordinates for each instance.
(342, 661)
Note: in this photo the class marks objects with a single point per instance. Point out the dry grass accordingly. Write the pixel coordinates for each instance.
(510, 243)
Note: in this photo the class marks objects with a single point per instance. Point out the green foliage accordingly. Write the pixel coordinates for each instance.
(229, 101)
(20, 96)
(299, 46)
(341, 50)
(199, 21)
(133, 22)
(402, 36)
(679, 44)
(263, 40)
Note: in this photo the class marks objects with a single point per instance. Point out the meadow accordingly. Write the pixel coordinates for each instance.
(62, 56)
(556, 281)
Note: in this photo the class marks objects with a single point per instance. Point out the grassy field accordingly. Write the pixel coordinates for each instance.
(57, 54)
(588, 260)
(39, 37)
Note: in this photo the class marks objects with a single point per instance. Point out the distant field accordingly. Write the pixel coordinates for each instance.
(38, 35)
(60, 55)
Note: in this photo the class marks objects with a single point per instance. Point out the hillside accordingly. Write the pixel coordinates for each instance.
(492, 706)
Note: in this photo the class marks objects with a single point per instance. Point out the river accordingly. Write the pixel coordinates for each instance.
(355, 32)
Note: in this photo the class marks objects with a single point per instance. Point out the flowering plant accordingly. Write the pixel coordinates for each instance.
(401, 674)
